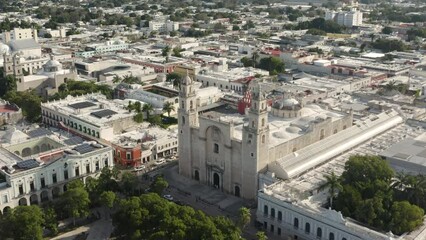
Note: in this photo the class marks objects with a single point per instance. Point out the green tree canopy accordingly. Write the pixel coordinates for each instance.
(23, 222)
(75, 200)
(159, 185)
(153, 217)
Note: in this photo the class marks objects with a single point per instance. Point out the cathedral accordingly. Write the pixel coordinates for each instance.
(226, 150)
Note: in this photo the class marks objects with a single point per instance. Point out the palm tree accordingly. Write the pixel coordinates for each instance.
(116, 79)
(333, 185)
(147, 108)
(255, 57)
(168, 107)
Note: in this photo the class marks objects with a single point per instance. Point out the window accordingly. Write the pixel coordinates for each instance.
(97, 166)
(319, 232)
(21, 189)
(272, 228)
(77, 171)
(54, 178)
(280, 216)
(263, 122)
(42, 182)
(265, 225)
(87, 168)
(344, 239)
(331, 236)
(296, 223)
(5, 200)
(32, 188)
(128, 156)
(307, 228)
(183, 120)
(106, 162)
(216, 148)
(265, 210)
(65, 174)
(263, 138)
(272, 213)
(279, 231)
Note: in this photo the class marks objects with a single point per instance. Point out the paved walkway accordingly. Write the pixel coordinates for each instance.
(97, 230)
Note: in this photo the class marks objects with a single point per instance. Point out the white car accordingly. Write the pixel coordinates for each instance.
(139, 168)
(168, 197)
(159, 161)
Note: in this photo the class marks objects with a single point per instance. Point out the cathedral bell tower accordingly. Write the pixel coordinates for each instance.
(255, 148)
(187, 119)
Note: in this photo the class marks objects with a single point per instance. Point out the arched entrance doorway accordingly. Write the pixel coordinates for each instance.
(56, 192)
(23, 202)
(237, 191)
(197, 175)
(44, 196)
(6, 210)
(34, 199)
(216, 180)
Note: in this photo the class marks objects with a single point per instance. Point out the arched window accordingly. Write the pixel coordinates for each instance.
(319, 232)
(331, 236)
(216, 148)
(183, 105)
(280, 216)
(263, 122)
(272, 213)
(183, 120)
(307, 228)
(296, 223)
(190, 105)
(265, 210)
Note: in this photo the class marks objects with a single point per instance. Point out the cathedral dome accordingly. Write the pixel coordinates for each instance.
(4, 49)
(286, 103)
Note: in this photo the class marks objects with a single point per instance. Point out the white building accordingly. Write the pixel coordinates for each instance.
(348, 19)
(103, 48)
(163, 26)
(20, 34)
(35, 169)
(293, 209)
(91, 116)
(58, 33)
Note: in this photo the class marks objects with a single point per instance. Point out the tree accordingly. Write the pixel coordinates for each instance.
(272, 64)
(147, 108)
(76, 200)
(332, 182)
(116, 79)
(51, 221)
(138, 118)
(244, 216)
(235, 28)
(128, 183)
(159, 185)
(107, 200)
(23, 222)
(406, 217)
(137, 106)
(165, 51)
(47, 35)
(176, 52)
(387, 30)
(168, 107)
(28, 101)
(7, 83)
(261, 235)
(154, 217)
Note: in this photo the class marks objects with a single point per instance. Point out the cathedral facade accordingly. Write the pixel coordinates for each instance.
(226, 150)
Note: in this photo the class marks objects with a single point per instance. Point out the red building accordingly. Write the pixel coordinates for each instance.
(127, 156)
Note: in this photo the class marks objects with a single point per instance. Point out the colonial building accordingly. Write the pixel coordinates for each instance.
(37, 169)
(229, 151)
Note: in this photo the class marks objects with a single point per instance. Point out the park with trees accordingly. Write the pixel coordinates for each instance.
(370, 192)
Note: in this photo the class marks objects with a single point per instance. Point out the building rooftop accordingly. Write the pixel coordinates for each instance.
(93, 108)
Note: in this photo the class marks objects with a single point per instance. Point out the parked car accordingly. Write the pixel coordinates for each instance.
(168, 197)
(159, 161)
(139, 168)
